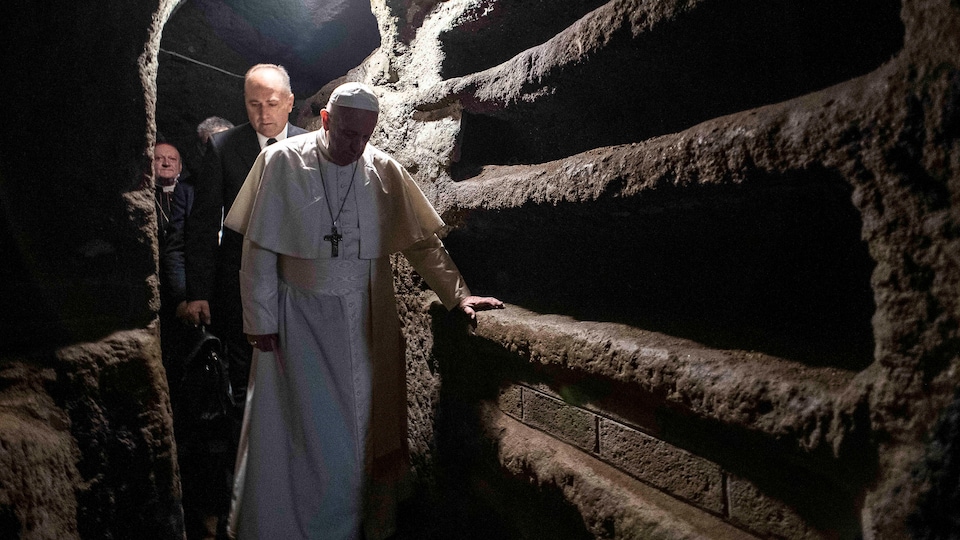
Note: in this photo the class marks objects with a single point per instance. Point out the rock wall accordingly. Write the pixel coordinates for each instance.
(728, 235)
(86, 442)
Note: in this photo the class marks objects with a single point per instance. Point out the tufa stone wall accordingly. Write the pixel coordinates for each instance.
(86, 442)
(728, 235)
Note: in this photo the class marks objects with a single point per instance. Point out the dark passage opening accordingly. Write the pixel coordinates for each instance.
(776, 267)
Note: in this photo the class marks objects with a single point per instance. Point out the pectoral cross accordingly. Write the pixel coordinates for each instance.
(334, 238)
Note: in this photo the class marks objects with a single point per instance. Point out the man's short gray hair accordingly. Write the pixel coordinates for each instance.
(214, 124)
(276, 67)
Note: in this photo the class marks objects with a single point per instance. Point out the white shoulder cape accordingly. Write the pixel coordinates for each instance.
(281, 202)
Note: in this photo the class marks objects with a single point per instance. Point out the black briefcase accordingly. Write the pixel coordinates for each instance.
(205, 400)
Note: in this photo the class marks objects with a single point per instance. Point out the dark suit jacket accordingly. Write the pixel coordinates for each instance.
(212, 269)
(172, 273)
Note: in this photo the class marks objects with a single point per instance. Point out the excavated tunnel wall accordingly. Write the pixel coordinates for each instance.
(724, 234)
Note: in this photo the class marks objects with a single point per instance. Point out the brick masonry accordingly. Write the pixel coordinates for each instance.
(666, 467)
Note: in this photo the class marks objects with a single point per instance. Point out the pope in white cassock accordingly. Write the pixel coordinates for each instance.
(324, 440)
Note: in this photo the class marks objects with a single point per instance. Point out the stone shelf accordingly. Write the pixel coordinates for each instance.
(770, 395)
(760, 442)
(631, 70)
(743, 232)
(614, 504)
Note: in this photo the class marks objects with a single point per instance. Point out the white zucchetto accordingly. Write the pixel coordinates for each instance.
(355, 95)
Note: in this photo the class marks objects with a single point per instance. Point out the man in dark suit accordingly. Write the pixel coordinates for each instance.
(212, 260)
(174, 200)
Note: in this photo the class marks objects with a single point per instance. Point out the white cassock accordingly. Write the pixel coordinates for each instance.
(324, 441)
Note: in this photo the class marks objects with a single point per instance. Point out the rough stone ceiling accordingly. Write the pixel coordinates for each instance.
(316, 40)
(207, 46)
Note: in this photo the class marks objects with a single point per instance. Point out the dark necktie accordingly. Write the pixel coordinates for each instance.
(270, 141)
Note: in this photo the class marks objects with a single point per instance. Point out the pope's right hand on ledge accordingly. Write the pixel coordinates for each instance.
(472, 304)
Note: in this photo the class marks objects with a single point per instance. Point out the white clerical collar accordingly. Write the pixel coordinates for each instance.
(279, 136)
(167, 185)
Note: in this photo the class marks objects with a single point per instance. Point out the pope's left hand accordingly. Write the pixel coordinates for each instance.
(472, 304)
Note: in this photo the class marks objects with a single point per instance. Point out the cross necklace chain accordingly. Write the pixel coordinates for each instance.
(335, 237)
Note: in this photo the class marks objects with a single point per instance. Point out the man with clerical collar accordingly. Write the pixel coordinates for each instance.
(213, 254)
(174, 199)
(325, 434)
